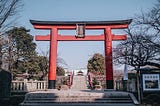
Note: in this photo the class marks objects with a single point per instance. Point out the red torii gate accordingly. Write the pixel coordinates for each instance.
(54, 37)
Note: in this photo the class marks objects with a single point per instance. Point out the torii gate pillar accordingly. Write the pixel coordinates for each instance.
(54, 37)
(52, 59)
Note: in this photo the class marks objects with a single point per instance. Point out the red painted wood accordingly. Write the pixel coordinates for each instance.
(107, 37)
(86, 38)
(72, 27)
(108, 54)
(73, 38)
(43, 27)
(42, 37)
(119, 37)
(53, 55)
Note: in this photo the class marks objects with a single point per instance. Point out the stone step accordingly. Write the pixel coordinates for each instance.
(78, 104)
(76, 99)
(50, 98)
(79, 101)
(84, 99)
(94, 98)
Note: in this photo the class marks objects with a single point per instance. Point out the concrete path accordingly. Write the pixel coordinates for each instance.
(79, 83)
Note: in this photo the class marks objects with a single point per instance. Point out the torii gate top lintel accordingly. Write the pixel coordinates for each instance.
(80, 27)
(102, 24)
(117, 22)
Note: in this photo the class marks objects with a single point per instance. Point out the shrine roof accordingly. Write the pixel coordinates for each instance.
(116, 22)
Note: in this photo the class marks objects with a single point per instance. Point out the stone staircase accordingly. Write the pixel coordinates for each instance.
(79, 98)
(79, 95)
(79, 83)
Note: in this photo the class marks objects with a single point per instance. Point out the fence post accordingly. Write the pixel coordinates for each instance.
(133, 85)
(25, 85)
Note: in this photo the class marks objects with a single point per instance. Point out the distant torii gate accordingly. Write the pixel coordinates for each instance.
(54, 37)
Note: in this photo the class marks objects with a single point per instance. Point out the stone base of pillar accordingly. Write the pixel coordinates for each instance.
(109, 84)
(51, 84)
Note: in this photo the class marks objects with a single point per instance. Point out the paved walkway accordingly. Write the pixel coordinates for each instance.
(79, 83)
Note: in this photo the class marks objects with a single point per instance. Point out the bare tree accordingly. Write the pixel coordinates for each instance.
(143, 44)
(137, 51)
(8, 8)
(44, 64)
(150, 23)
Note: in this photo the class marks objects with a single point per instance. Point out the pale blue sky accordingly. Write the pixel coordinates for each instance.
(76, 54)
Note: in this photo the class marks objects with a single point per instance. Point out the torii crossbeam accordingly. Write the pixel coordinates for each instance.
(54, 37)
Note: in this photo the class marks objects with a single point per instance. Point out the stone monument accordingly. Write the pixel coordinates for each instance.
(5, 87)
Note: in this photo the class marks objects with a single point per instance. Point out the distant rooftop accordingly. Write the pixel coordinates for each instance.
(115, 22)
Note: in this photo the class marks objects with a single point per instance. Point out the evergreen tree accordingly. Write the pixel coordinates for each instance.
(20, 49)
(96, 64)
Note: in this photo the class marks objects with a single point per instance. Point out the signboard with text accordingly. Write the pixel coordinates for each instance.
(151, 82)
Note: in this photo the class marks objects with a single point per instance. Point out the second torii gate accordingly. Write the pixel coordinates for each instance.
(80, 26)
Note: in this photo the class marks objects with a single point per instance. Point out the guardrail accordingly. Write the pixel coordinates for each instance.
(129, 85)
(70, 80)
(90, 79)
(28, 86)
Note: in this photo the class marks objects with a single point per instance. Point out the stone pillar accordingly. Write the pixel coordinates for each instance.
(5, 87)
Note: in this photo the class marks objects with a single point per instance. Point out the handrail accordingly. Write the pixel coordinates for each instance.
(70, 79)
(90, 80)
